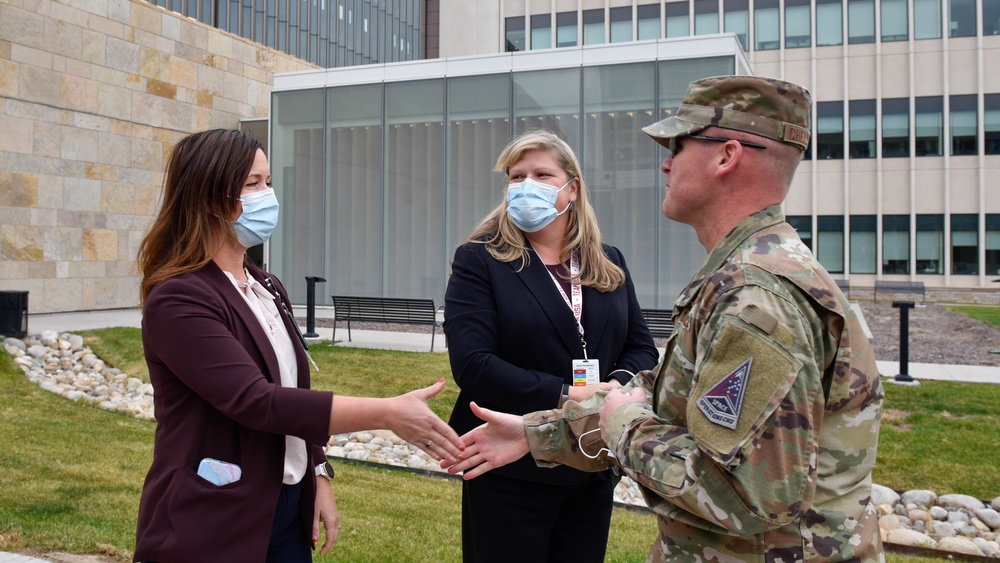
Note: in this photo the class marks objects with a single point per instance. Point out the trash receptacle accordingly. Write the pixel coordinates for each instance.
(14, 313)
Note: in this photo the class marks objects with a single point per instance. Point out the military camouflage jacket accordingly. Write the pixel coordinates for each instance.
(760, 429)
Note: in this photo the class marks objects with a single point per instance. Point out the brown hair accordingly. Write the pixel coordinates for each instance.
(506, 243)
(204, 178)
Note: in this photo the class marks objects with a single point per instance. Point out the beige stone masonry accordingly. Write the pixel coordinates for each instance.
(93, 96)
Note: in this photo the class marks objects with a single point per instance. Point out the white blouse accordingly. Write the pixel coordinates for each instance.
(261, 302)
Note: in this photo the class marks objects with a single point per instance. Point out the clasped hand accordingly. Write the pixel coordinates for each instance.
(502, 440)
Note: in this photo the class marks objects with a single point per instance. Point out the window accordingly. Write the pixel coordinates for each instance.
(992, 244)
(765, 24)
(863, 244)
(706, 17)
(648, 26)
(860, 21)
(621, 24)
(829, 23)
(830, 242)
(895, 244)
(541, 31)
(593, 27)
(926, 19)
(566, 29)
(964, 244)
(991, 18)
(896, 127)
(964, 126)
(930, 244)
(803, 225)
(797, 24)
(678, 19)
(991, 123)
(862, 143)
(962, 18)
(929, 125)
(894, 20)
(829, 130)
(738, 20)
(515, 34)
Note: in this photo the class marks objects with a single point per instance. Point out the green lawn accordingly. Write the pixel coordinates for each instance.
(72, 474)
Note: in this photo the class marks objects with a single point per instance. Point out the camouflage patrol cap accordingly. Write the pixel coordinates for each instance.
(767, 107)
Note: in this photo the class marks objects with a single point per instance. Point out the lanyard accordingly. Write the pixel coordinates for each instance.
(576, 302)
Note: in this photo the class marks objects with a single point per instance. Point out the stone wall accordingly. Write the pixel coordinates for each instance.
(93, 95)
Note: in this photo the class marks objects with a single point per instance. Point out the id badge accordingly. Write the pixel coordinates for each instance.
(586, 372)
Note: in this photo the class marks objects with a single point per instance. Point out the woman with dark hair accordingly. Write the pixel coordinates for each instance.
(239, 472)
(539, 311)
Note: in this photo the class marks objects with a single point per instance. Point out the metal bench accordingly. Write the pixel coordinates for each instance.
(659, 321)
(391, 310)
(916, 287)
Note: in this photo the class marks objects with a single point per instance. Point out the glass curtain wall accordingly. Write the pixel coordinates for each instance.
(829, 130)
(962, 16)
(593, 27)
(354, 219)
(379, 182)
(895, 127)
(616, 162)
(929, 116)
(478, 129)
(894, 20)
(706, 17)
(648, 24)
(297, 168)
(860, 21)
(862, 125)
(964, 125)
(797, 24)
(621, 24)
(414, 175)
(566, 29)
(541, 31)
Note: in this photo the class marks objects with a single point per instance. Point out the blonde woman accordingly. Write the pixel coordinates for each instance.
(535, 307)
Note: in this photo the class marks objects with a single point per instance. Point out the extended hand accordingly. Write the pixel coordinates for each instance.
(416, 423)
(498, 442)
(614, 399)
(325, 513)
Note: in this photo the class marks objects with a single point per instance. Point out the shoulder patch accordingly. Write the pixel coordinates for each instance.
(723, 402)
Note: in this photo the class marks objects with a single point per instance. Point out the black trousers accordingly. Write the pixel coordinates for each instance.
(506, 520)
(289, 543)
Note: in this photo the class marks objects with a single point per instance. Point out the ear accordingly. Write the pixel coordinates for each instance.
(728, 158)
(574, 189)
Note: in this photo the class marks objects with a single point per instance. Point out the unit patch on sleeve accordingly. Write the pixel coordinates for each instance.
(722, 403)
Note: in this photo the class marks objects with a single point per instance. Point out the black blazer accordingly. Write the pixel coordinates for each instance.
(512, 340)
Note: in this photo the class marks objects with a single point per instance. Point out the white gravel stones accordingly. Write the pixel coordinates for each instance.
(61, 364)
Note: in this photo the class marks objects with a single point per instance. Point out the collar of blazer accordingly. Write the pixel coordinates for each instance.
(243, 312)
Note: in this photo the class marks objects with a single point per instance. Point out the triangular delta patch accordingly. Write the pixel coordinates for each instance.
(722, 403)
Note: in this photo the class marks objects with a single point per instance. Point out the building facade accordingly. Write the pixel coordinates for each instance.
(900, 182)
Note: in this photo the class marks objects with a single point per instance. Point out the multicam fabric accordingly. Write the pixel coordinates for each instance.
(790, 480)
(767, 107)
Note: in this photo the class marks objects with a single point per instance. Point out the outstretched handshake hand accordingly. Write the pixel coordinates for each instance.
(496, 443)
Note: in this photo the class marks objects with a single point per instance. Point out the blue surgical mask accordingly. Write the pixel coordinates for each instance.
(259, 218)
(532, 205)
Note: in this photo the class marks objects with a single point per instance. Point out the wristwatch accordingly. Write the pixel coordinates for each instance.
(325, 470)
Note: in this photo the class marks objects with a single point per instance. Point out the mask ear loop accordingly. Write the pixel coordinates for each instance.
(579, 442)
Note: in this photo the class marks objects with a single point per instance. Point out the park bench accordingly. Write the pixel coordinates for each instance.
(916, 287)
(391, 310)
(845, 287)
(659, 321)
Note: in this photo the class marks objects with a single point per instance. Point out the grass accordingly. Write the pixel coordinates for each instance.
(72, 474)
(986, 314)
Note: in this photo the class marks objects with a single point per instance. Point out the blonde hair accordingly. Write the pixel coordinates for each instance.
(506, 243)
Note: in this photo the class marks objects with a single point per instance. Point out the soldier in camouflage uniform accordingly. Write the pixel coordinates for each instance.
(755, 437)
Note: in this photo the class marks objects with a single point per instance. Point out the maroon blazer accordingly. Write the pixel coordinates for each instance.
(218, 395)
